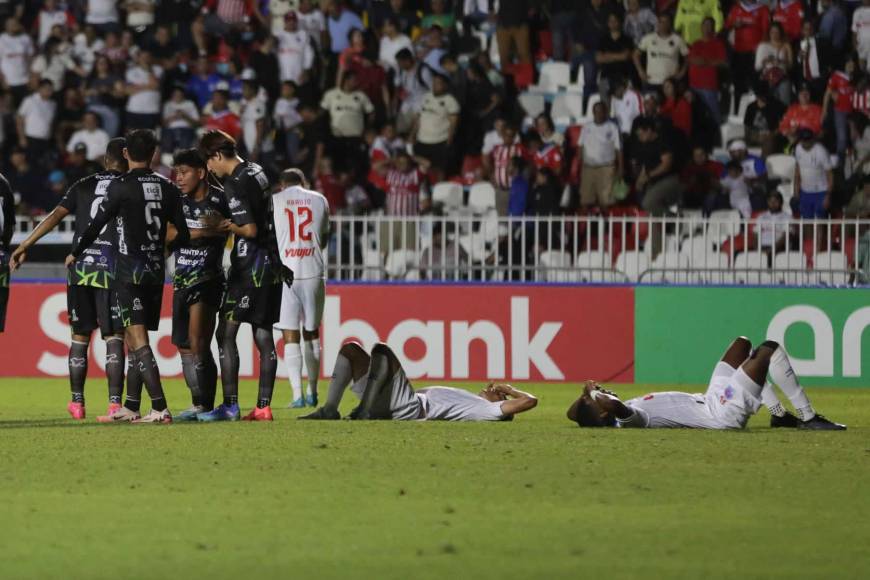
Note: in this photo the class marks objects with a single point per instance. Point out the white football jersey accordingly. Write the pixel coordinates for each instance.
(451, 404)
(302, 228)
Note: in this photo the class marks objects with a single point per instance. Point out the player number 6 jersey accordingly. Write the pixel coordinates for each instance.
(302, 228)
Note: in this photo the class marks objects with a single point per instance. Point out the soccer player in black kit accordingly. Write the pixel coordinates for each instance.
(7, 228)
(91, 302)
(138, 206)
(198, 281)
(253, 293)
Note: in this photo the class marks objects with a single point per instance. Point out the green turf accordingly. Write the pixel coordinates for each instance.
(536, 498)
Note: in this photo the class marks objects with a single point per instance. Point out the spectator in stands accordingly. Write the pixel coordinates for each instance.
(735, 190)
(355, 49)
(859, 204)
(331, 185)
(228, 17)
(656, 184)
(27, 182)
(773, 62)
(626, 105)
(254, 122)
(773, 225)
(706, 56)
(313, 133)
(518, 197)
(295, 51)
(180, 118)
(833, 34)
(409, 90)
(103, 14)
(286, 119)
(35, 121)
(480, 108)
(392, 41)
(600, 150)
(811, 73)
(813, 176)
(563, 21)
(665, 55)
(143, 100)
(435, 128)
(91, 136)
(700, 178)
(749, 20)
(438, 15)
(405, 16)
(591, 30)
(861, 30)
(801, 115)
(278, 11)
(312, 21)
(547, 131)
(407, 196)
(340, 21)
(790, 15)
(221, 117)
(639, 21)
(16, 51)
(677, 107)
(754, 170)
(77, 164)
(349, 109)
(54, 62)
(838, 98)
(761, 120)
(444, 257)
(498, 165)
(691, 15)
(545, 146)
(512, 33)
(859, 156)
(614, 56)
(546, 194)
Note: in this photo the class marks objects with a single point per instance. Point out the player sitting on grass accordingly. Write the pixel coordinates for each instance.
(198, 282)
(386, 393)
(737, 390)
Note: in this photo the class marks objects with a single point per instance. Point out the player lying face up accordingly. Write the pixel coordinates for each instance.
(737, 389)
(386, 393)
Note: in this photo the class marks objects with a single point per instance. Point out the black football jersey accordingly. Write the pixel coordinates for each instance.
(249, 197)
(201, 259)
(7, 228)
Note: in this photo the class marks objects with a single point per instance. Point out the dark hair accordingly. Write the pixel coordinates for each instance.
(115, 151)
(734, 165)
(292, 176)
(216, 141)
(405, 54)
(777, 195)
(141, 145)
(588, 416)
(44, 82)
(190, 157)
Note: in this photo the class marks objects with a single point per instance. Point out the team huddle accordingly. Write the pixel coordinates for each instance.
(129, 219)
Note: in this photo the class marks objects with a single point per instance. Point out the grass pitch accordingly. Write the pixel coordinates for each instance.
(536, 498)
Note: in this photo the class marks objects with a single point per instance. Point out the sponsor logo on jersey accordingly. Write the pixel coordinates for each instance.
(245, 302)
(137, 304)
(298, 252)
(234, 203)
(73, 316)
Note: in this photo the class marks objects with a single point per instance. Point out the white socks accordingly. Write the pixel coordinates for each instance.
(783, 375)
(293, 360)
(312, 364)
(771, 401)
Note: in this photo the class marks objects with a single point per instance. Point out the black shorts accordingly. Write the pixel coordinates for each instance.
(259, 306)
(140, 304)
(4, 300)
(209, 292)
(90, 308)
(438, 154)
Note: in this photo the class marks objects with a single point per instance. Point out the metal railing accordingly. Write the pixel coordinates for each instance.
(723, 249)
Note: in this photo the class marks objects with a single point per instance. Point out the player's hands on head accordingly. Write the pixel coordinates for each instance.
(70, 260)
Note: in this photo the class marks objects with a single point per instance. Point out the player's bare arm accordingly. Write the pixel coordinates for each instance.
(19, 256)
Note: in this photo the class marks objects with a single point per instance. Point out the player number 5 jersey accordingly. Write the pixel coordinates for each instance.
(302, 228)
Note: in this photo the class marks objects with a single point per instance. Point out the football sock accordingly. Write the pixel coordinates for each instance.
(191, 377)
(134, 383)
(771, 401)
(783, 375)
(312, 363)
(379, 374)
(268, 365)
(342, 375)
(78, 370)
(209, 389)
(293, 360)
(151, 377)
(229, 357)
(115, 368)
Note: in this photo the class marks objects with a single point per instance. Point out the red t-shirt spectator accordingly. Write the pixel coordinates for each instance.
(790, 15)
(378, 153)
(699, 179)
(550, 156)
(226, 121)
(750, 23)
(403, 192)
(501, 163)
(705, 77)
(802, 117)
(679, 111)
(370, 79)
(332, 189)
(841, 89)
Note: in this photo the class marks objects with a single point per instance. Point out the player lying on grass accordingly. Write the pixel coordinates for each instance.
(737, 390)
(386, 393)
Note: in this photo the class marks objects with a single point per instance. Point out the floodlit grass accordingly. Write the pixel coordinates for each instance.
(536, 498)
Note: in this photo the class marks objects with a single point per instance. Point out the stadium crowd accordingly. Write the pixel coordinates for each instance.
(378, 100)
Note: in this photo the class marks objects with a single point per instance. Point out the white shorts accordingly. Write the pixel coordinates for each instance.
(302, 305)
(405, 405)
(730, 397)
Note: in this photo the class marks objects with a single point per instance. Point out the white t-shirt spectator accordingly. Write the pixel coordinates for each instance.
(861, 28)
(286, 113)
(278, 9)
(600, 143)
(435, 118)
(95, 141)
(145, 102)
(389, 47)
(772, 226)
(347, 112)
(295, 54)
(662, 56)
(411, 89)
(102, 12)
(253, 110)
(142, 15)
(738, 194)
(814, 166)
(86, 54)
(15, 53)
(53, 69)
(626, 109)
(47, 20)
(313, 23)
(171, 108)
(38, 114)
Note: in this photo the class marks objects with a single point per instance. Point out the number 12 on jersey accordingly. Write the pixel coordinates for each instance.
(304, 216)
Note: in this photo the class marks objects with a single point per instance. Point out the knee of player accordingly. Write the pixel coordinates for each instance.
(351, 350)
(765, 350)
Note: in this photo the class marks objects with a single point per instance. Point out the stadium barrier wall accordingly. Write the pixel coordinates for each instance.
(643, 334)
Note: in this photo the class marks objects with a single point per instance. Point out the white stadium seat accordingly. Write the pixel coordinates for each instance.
(555, 76)
(781, 167)
(567, 105)
(599, 264)
(751, 268)
(632, 263)
(723, 224)
(730, 132)
(481, 198)
(373, 265)
(790, 268)
(532, 103)
(402, 264)
(448, 194)
(666, 268)
(830, 268)
(745, 101)
(557, 260)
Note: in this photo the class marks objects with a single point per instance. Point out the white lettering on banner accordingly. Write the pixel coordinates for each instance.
(525, 351)
(462, 334)
(852, 332)
(822, 363)
(51, 323)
